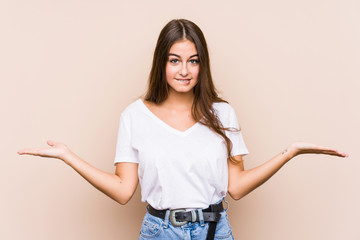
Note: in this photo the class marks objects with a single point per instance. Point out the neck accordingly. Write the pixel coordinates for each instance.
(179, 100)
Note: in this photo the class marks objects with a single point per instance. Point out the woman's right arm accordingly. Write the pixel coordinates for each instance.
(119, 186)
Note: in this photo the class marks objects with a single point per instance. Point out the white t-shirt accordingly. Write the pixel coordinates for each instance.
(177, 169)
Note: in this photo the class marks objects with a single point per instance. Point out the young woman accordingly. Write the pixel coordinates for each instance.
(183, 143)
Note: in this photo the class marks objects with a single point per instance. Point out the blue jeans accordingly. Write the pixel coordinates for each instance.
(161, 229)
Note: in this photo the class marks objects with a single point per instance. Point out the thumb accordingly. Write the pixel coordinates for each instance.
(50, 143)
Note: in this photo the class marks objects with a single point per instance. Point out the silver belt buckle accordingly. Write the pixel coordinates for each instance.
(173, 218)
(179, 224)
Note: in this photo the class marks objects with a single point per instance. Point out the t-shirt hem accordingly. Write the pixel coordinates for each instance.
(242, 153)
(129, 160)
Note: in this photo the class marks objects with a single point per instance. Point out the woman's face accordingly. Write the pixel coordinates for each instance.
(182, 67)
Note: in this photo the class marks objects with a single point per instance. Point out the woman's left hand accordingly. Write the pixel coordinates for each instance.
(298, 148)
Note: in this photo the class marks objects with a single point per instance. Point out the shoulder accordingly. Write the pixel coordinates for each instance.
(226, 114)
(223, 109)
(132, 109)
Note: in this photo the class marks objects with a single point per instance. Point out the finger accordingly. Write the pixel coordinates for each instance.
(29, 151)
(323, 148)
(51, 143)
(331, 151)
(342, 154)
(335, 153)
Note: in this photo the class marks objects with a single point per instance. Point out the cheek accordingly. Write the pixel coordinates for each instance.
(195, 72)
(170, 72)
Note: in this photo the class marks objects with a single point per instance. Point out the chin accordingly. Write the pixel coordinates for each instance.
(183, 89)
(184, 92)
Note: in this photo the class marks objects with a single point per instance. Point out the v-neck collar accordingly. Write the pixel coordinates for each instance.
(164, 124)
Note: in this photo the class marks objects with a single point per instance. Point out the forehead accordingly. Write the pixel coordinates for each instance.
(183, 48)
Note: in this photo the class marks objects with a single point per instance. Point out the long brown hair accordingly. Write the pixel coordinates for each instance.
(204, 92)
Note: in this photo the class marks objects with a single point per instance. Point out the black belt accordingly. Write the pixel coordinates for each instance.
(179, 217)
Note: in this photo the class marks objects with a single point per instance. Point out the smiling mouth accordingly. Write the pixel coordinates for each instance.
(182, 80)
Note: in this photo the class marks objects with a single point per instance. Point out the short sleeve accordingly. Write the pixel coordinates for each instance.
(124, 149)
(239, 147)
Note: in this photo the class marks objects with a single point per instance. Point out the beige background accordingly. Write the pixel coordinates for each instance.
(289, 68)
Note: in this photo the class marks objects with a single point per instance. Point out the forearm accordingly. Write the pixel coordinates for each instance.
(110, 184)
(242, 182)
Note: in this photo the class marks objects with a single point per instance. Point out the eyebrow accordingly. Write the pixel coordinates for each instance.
(173, 54)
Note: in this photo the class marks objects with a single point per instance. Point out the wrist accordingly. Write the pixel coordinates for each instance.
(293, 151)
(290, 152)
(67, 156)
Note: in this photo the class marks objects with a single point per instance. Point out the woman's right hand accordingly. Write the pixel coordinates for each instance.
(56, 150)
(120, 186)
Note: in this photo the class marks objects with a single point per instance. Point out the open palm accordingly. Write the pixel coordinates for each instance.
(55, 150)
(304, 148)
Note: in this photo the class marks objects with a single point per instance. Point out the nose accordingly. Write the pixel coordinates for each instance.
(184, 69)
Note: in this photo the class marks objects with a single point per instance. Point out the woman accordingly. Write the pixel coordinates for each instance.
(183, 143)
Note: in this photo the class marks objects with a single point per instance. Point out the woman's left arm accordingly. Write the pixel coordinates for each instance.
(242, 182)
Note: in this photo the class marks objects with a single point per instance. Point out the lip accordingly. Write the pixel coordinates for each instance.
(183, 79)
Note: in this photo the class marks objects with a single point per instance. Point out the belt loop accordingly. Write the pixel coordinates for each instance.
(227, 205)
(201, 217)
(167, 217)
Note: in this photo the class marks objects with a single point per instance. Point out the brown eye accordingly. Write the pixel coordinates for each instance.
(194, 61)
(174, 61)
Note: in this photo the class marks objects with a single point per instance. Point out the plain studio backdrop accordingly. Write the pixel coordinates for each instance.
(290, 69)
